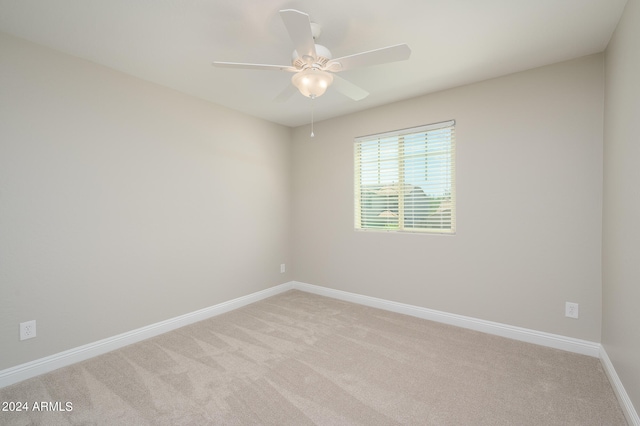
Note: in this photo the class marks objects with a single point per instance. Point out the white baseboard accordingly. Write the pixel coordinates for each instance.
(31, 369)
(570, 344)
(44, 365)
(625, 402)
(556, 341)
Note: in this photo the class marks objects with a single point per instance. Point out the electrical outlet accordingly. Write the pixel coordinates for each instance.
(282, 268)
(27, 330)
(571, 310)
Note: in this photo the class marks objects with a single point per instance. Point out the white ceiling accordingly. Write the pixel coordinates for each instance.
(453, 42)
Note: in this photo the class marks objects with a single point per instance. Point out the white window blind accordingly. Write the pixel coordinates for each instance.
(405, 180)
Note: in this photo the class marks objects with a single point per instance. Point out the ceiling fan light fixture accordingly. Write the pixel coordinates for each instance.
(313, 68)
(312, 82)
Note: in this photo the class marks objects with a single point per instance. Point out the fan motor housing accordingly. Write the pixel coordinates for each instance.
(323, 55)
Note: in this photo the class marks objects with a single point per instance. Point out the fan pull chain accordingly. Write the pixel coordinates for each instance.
(312, 104)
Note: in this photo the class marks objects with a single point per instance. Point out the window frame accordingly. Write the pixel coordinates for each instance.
(445, 179)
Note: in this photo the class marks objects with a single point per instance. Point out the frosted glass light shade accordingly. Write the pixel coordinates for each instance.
(312, 82)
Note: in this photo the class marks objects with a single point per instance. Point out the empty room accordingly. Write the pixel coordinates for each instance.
(333, 213)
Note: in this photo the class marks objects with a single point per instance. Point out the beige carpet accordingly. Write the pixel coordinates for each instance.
(298, 359)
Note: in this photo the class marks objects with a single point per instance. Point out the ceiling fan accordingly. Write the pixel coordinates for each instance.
(312, 64)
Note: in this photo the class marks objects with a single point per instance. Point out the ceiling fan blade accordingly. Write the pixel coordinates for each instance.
(254, 66)
(349, 89)
(399, 52)
(289, 91)
(299, 27)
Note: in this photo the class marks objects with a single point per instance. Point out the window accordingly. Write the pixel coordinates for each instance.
(405, 180)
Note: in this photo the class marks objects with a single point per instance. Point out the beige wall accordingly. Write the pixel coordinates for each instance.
(529, 194)
(621, 232)
(123, 203)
